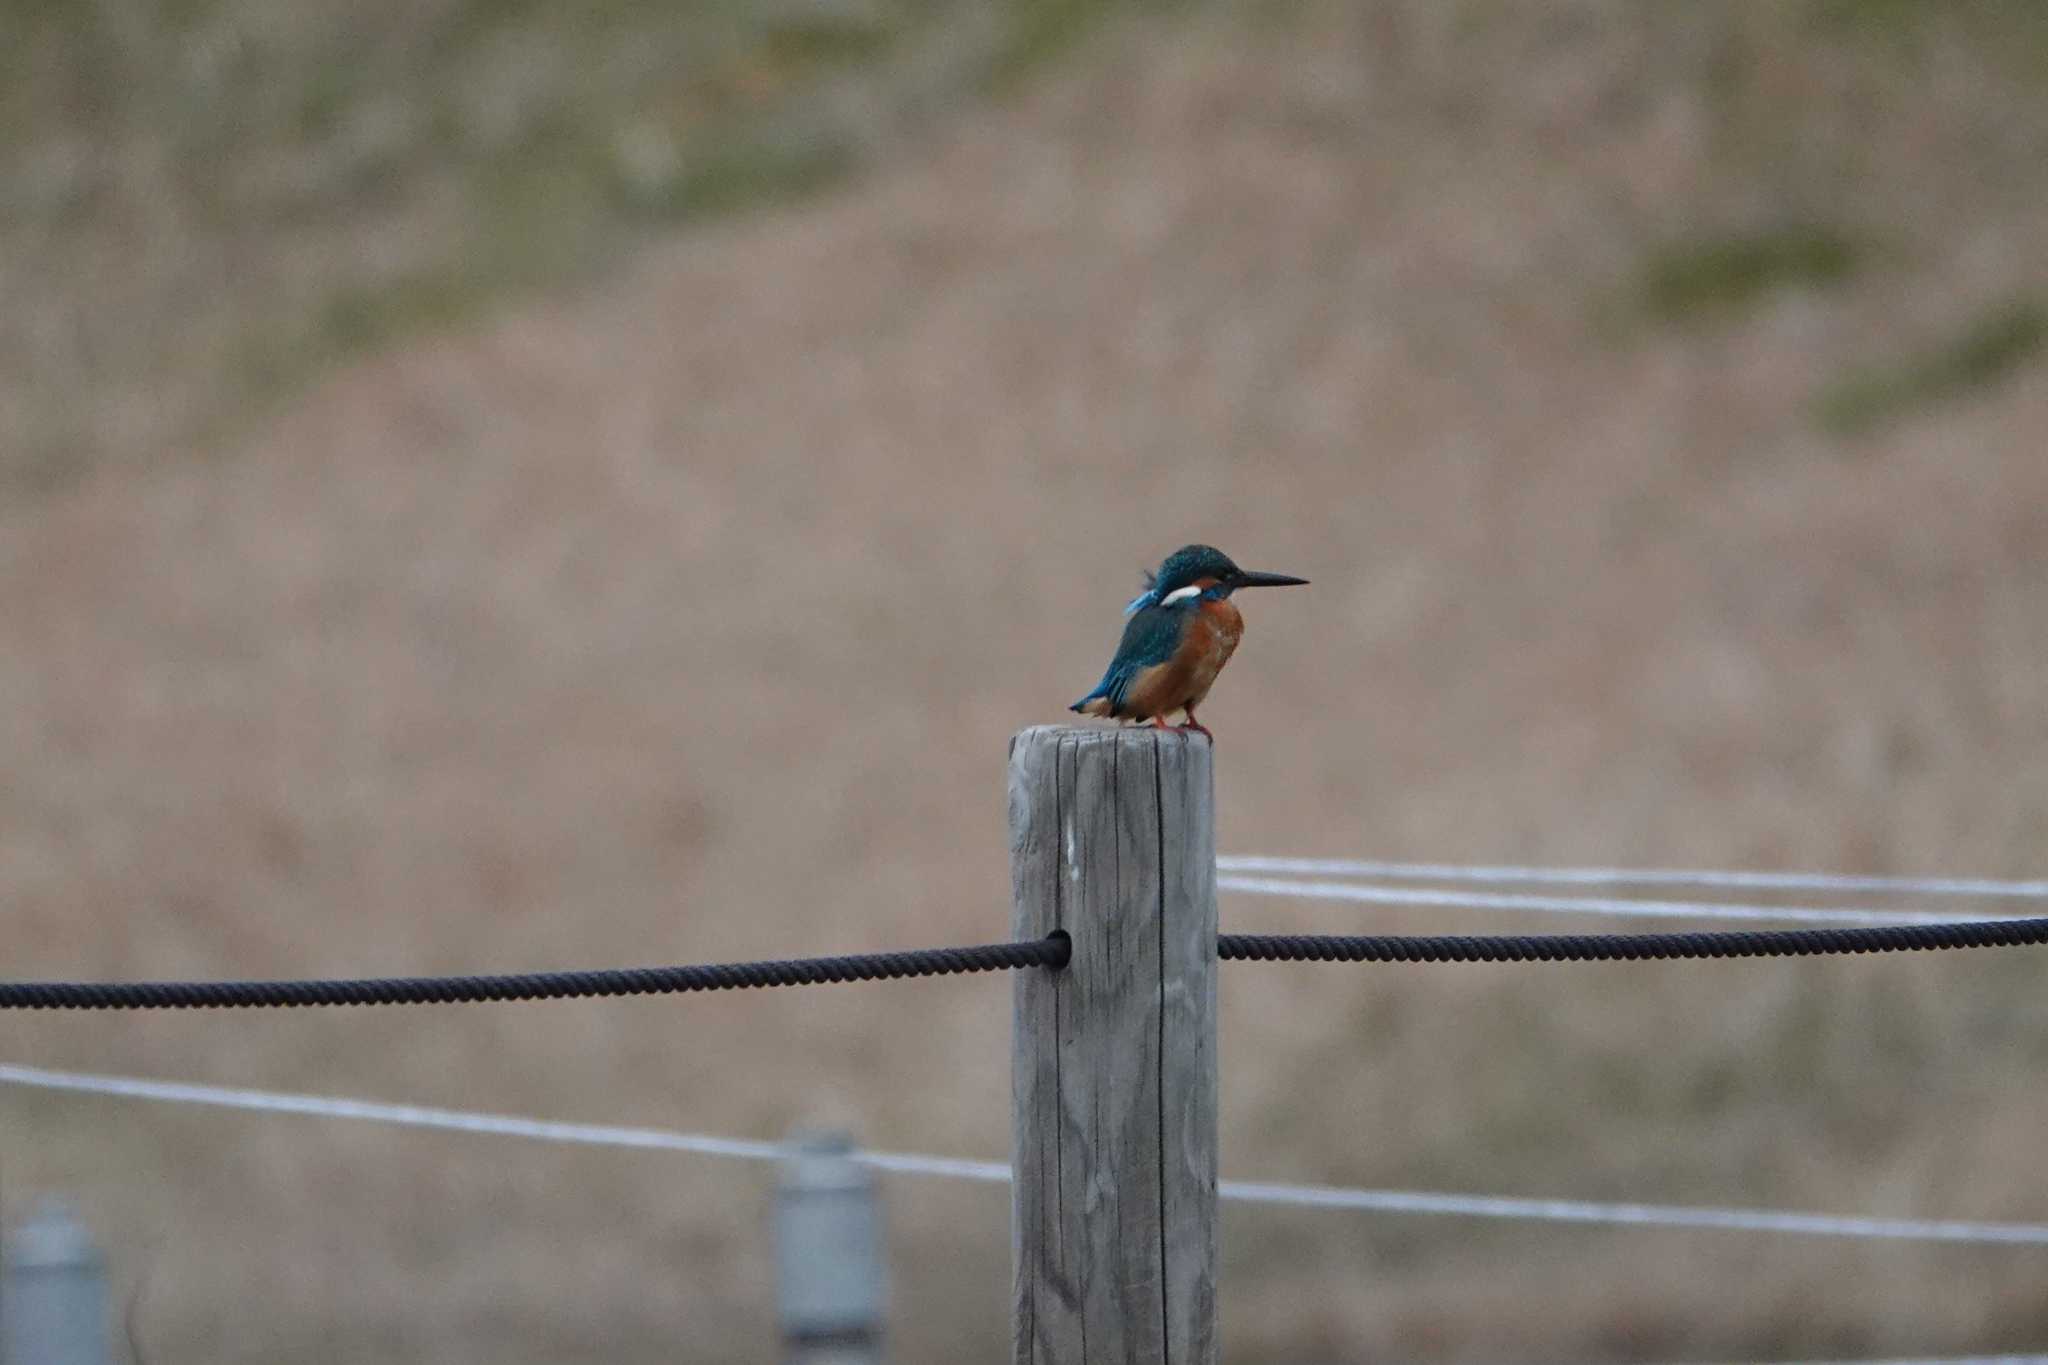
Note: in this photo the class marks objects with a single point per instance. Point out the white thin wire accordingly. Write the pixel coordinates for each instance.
(1625, 876)
(1581, 905)
(1639, 1215)
(946, 1167)
(995, 1172)
(1931, 1360)
(405, 1115)
(469, 1121)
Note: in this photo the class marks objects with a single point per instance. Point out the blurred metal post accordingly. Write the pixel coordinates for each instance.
(53, 1293)
(831, 1282)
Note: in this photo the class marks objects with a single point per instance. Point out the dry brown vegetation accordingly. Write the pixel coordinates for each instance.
(684, 613)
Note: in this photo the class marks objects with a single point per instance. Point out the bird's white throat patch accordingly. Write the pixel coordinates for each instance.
(1180, 595)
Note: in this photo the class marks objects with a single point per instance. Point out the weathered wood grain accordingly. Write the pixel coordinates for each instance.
(1114, 1080)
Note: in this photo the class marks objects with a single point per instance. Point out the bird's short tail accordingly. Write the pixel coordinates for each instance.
(1093, 705)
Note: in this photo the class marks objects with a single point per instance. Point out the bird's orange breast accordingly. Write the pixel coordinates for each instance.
(1212, 639)
(1213, 631)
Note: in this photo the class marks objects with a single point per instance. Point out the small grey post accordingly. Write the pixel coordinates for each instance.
(1113, 1222)
(831, 1282)
(53, 1294)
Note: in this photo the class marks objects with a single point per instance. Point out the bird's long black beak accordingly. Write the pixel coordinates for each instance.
(1252, 578)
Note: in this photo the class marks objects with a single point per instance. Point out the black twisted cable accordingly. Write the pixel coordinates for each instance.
(1052, 952)
(442, 990)
(2006, 933)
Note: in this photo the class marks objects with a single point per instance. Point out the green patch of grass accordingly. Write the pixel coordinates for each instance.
(2013, 33)
(1911, 20)
(356, 319)
(732, 177)
(1040, 31)
(1983, 353)
(1889, 18)
(360, 318)
(827, 40)
(1719, 275)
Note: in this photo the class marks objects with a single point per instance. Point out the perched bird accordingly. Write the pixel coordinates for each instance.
(1182, 631)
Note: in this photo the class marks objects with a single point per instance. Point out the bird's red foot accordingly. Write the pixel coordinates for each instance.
(1197, 727)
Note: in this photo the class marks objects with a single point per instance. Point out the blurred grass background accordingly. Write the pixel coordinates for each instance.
(504, 486)
(212, 203)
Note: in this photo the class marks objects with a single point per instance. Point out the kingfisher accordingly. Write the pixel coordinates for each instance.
(1183, 629)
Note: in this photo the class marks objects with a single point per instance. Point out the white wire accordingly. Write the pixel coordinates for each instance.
(995, 1172)
(1638, 1215)
(1581, 905)
(1929, 1360)
(1624, 876)
(1932, 1360)
(469, 1121)
(405, 1115)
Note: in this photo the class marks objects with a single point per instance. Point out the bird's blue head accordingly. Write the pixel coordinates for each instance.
(1201, 571)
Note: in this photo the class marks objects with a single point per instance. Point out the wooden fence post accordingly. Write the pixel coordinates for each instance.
(1113, 1223)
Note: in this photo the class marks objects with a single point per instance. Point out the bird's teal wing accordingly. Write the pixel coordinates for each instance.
(1150, 637)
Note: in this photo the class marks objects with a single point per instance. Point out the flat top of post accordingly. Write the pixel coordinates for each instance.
(1032, 734)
